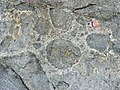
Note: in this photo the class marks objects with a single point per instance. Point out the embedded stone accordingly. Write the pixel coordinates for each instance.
(62, 53)
(60, 18)
(42, 26)
(99, 42)
(36, 45)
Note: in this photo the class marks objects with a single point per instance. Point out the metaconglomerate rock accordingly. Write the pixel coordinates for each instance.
(59, 45)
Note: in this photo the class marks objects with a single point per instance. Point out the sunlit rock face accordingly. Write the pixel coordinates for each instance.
(59, 44)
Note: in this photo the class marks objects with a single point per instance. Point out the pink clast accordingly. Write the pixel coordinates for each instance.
(95, 23)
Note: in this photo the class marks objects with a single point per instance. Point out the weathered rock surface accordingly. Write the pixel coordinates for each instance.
(53, 45)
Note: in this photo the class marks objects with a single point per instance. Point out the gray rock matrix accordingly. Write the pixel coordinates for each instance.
(59, 44)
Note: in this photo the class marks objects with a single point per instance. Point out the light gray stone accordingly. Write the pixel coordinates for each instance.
(52, 45)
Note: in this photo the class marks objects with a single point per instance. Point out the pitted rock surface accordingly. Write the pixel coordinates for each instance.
(60, 18)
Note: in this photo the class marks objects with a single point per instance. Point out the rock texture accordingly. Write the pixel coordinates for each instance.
(55, 45)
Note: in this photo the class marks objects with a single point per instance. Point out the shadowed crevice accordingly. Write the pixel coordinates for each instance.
(89, 5)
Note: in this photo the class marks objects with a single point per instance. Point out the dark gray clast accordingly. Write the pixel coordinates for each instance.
(99, 42)
(62, 53)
